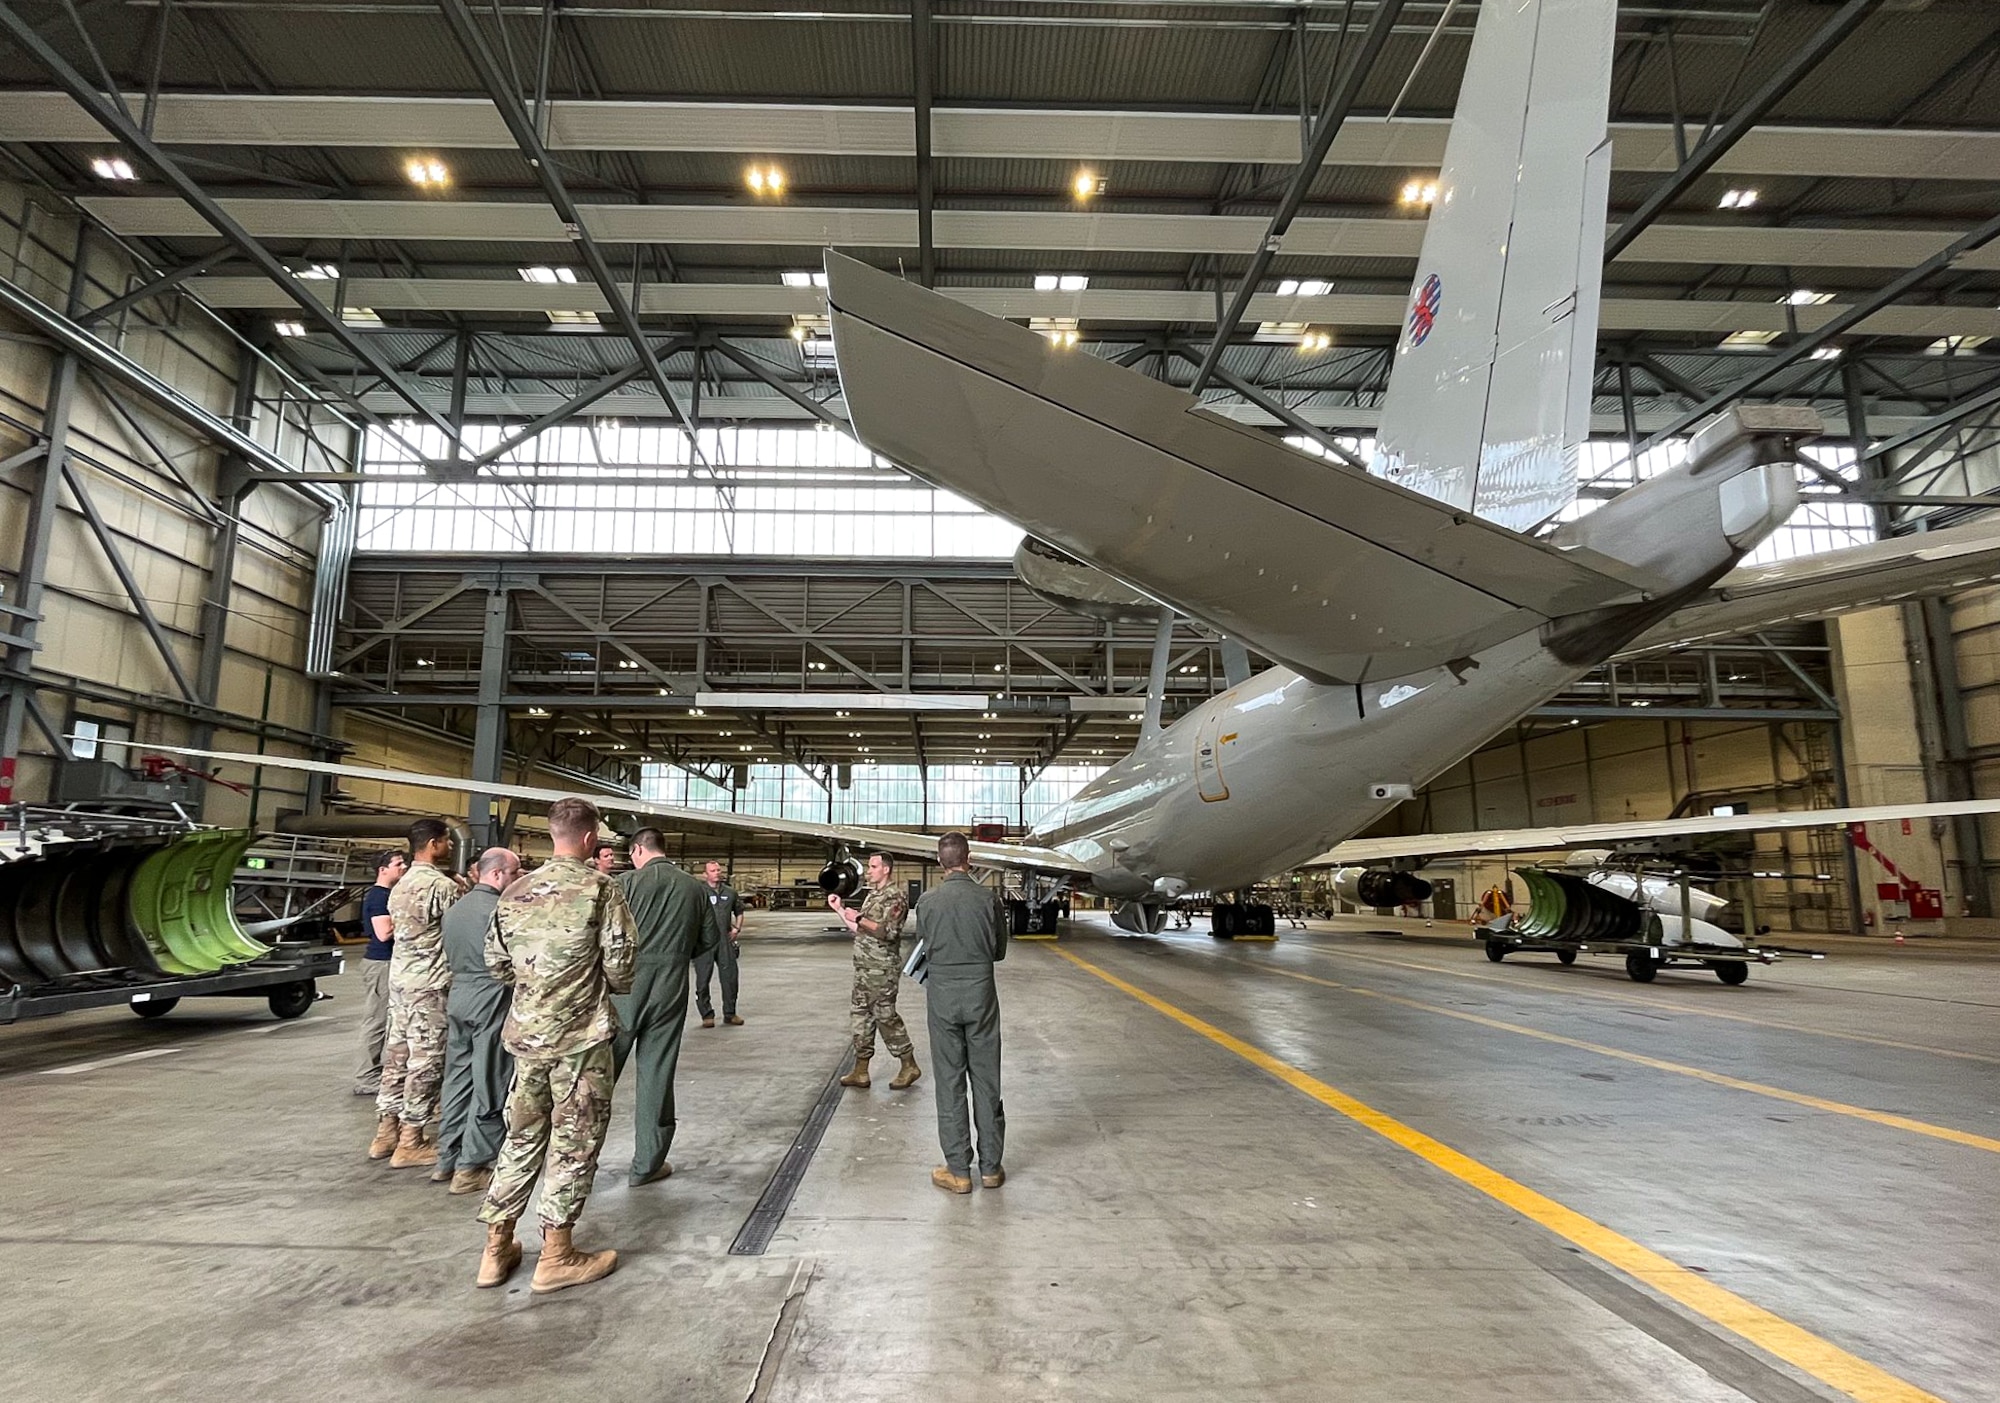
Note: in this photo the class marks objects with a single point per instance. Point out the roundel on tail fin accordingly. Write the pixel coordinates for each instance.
(1424, 307)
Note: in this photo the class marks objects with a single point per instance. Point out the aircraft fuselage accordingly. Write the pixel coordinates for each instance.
(1278, 769)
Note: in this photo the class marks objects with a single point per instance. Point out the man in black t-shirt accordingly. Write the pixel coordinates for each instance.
(375, 924)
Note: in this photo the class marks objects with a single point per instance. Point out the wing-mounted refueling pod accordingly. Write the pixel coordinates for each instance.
(1343, 576)
(1069, 584)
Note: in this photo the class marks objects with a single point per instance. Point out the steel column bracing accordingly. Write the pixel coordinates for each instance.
(108, 543)
(1799, 350)
(74, 339)
(1950, 763)
(153, 287)
(38, 533)
(522, 127)
(921, 50)
(1755, 108)
(114, 119)
(489, 737)
(1327, 128)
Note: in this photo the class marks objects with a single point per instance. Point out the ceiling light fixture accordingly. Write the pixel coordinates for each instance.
(1061, 331)
(1419, 193)
(1313, 342)
(1087, 184)
(427, 172)
(1737, 199)
(543, 273)
(765, 180)
(1061, 282)
(1806, 297)
(317, 272)
(113, 168)
(803, 279)
(289, 328)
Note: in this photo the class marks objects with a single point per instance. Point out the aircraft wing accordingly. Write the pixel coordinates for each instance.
(1342, 576)
(1815, 586)
(1011, 856)
(1356, 852)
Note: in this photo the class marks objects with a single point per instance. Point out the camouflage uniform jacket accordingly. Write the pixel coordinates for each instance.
(886, 906)
(563, 937)
(416, 913)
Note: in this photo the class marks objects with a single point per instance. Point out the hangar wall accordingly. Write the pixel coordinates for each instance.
(157, 489)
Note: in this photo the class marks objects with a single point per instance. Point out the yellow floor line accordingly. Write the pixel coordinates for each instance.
(1802, 1349)
(1779, 1093)
(1649, 1004)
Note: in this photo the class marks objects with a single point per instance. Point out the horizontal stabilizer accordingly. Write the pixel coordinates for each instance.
(1342, 576)
(1836, 582)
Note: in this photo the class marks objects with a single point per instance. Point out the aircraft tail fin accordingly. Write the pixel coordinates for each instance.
(1490, 396)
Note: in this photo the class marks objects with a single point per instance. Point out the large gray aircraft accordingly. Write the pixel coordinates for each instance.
(1415, 608)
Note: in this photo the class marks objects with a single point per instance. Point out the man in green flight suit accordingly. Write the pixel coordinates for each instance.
(562, 936)
(671, 911)
(964, 934)
(477, 1068)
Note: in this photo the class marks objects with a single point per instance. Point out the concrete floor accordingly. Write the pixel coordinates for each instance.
(1179, 1223)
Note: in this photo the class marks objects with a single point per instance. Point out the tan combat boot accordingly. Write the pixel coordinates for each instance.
(993, 1180)
(384, 1143)
(443, 1174)
(561, 1265)
(907, 1077)
(951, 1183)
(470, 1181)
(502, 1255)
(412, 1152)
(859, 1076)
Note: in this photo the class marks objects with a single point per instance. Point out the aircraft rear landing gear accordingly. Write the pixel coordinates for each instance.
(1229, 919)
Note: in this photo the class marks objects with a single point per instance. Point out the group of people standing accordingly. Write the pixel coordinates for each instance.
(517, 999)
(506, 1004)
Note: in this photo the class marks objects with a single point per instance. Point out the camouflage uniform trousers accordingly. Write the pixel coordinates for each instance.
(413, 1055)
(557, 1113)
(878, 968)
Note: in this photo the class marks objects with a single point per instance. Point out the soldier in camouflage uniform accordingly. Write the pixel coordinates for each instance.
(419, 982)
(878, 967)
(563, 937)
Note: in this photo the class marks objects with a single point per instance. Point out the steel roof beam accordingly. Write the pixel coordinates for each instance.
(522, 126)
(112, 116)
(1802, 348)
(1324, 131)
(1703, 158)
(1277, 410)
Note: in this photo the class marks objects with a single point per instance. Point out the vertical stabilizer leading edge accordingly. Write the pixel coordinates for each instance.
(1490, 395)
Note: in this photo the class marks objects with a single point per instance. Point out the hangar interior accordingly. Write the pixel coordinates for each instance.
(449, 388)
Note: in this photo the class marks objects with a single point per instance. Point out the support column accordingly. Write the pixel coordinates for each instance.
(489, 736)
(234, 487)
(37, 535)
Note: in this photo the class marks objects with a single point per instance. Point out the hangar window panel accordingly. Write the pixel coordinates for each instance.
(1055, 785)
(531, 499)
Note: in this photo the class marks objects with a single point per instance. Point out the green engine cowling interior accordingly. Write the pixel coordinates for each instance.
(182, 903)
(152, 906)
(1565, 908)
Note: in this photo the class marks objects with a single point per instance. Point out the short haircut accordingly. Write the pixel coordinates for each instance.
(383, 859)
(650, 840)
(954, 850)
(572, 819)
(607, 846)
(887, 861)
(426, 831)
(713, 862)
(494, 860)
